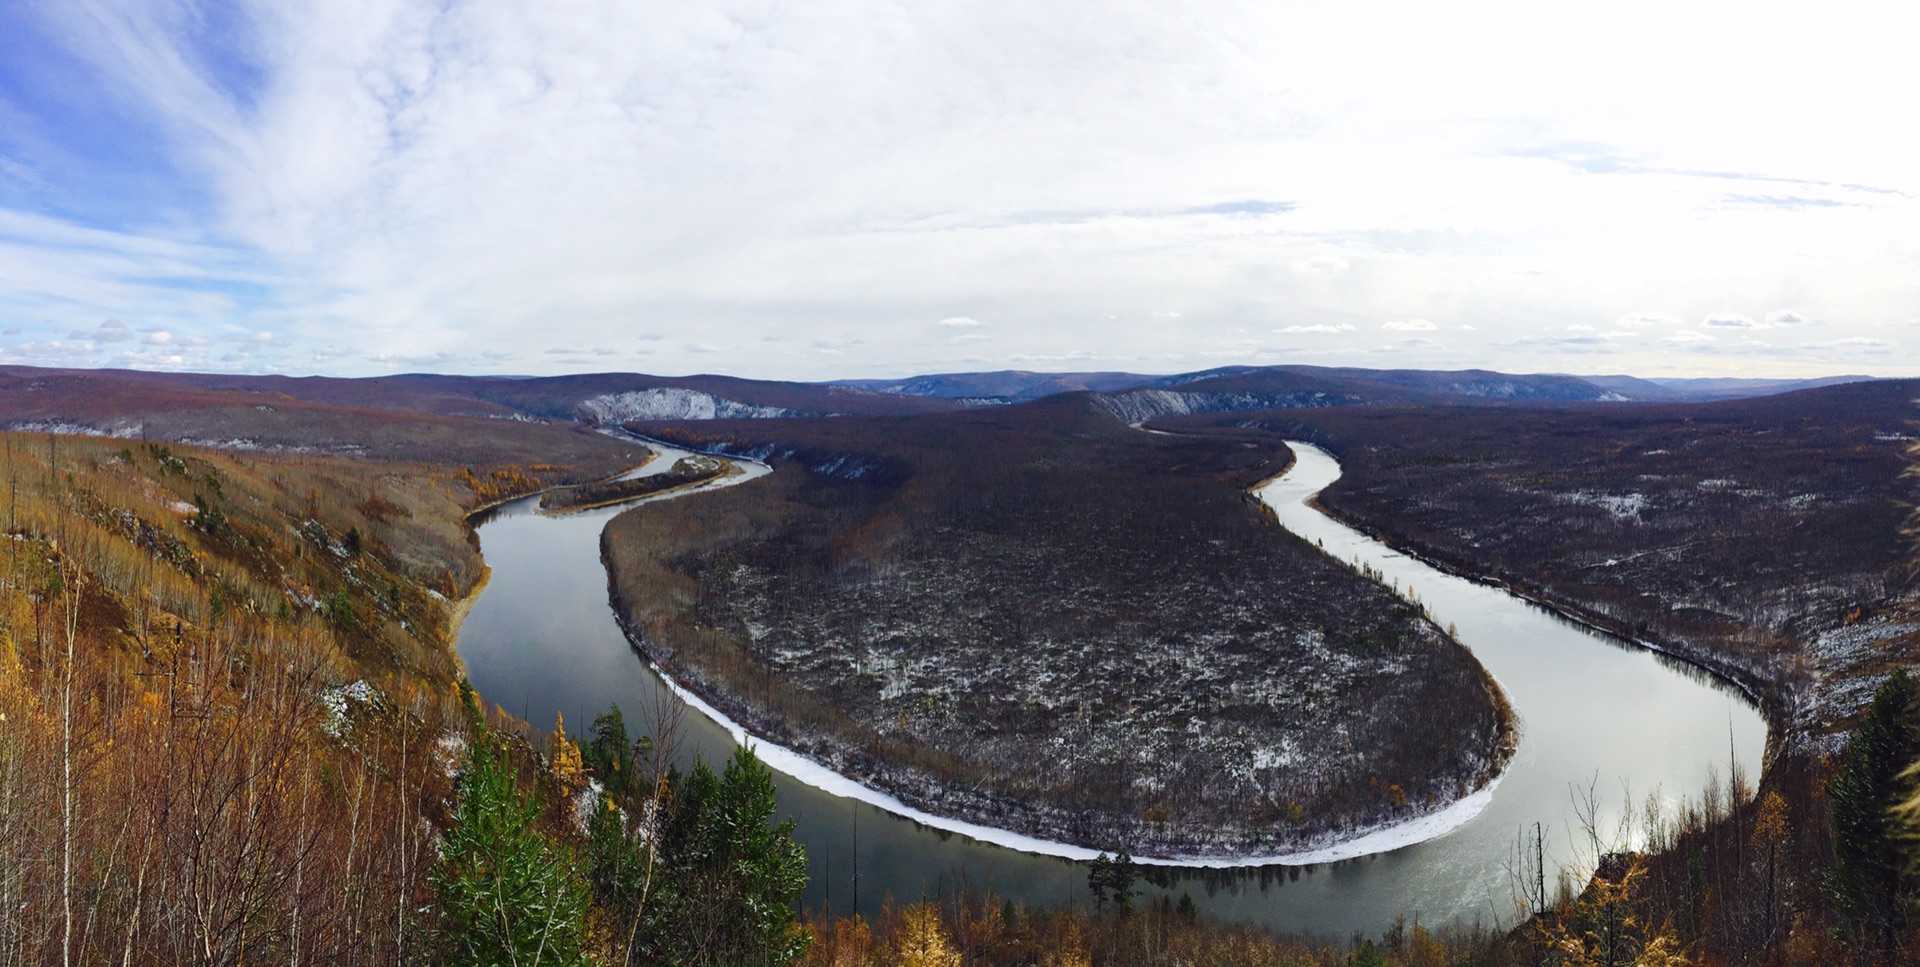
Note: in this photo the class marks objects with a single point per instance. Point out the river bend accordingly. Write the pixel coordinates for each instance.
(542, 639)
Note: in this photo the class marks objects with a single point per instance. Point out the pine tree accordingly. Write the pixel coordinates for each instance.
(1869, 881)
(1113, 878)
(1099, 873)
(732, 879)
(507, 896)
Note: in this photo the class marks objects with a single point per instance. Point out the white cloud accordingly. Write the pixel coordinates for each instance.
(1859, 344)
(1787, 317)
(417, 176)
(1582, 344)
(834, 347)
(150, 359)
(395, 360)
(1322, 263)
(1648, 320)
(1317, 327)
(1728, 320)
(1688, 338)
(1410, 343)
(112, 330)
(56, 350)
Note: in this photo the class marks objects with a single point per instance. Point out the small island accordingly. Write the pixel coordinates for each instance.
(685, 472)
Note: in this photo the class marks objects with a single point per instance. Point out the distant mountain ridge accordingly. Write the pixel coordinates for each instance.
(1277, 387)
(1714, 388)
(281, 411)
(1011, 385)
(118, 401)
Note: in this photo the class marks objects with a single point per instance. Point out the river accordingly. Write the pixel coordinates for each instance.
(1593, 711)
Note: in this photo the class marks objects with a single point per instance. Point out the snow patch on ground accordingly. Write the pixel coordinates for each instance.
(1847, 665)
(1621, 506)
(452, 751)
(121, 431)
(338, 700)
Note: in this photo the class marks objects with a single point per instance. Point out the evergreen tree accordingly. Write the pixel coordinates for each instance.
(1113, 878)
(607, 752)
(1098, 876)
(507, 896)
(731, 879)
(1124, 873)
(1870, 882)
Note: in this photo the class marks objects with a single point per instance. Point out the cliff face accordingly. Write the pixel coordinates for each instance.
(673, 403)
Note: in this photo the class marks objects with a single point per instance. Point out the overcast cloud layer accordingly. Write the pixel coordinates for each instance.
(863, 189)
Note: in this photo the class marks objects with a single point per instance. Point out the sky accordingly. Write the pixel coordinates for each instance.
(872, 189)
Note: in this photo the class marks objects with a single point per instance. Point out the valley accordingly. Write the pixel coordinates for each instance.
(1027, 616)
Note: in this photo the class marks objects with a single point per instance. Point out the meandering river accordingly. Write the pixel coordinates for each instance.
(542, 639)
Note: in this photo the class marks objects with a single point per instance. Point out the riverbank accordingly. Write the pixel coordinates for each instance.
(804, 769)
(1771, 697)
(459, 608)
